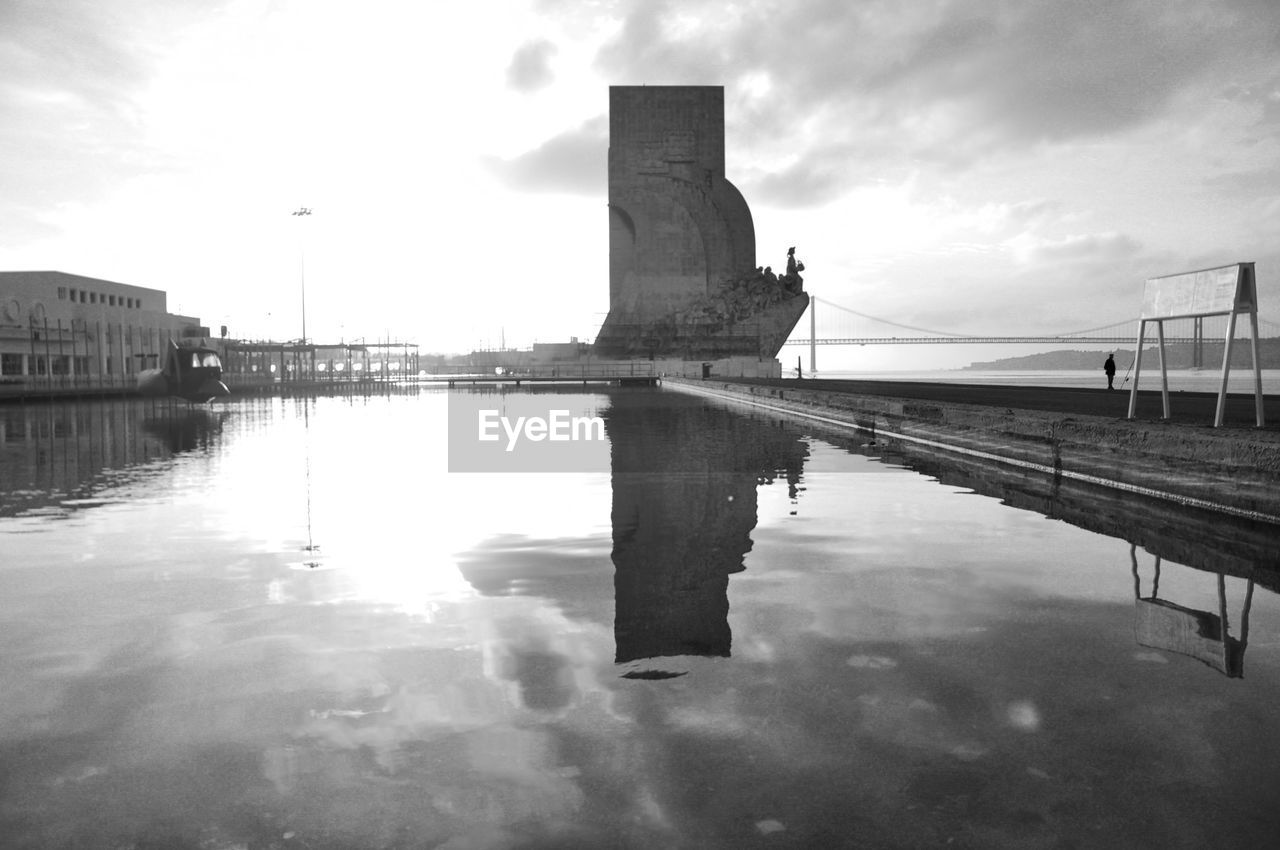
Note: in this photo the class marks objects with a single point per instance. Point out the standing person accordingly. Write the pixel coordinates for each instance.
(1110, 368)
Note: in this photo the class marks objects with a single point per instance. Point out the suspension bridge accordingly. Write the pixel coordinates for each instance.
(839, 330)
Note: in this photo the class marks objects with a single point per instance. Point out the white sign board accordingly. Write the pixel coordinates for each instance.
(1223, 291)
(1208, 292)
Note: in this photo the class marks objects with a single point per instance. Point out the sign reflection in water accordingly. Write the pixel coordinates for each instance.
(1203, 635)
(743, 633)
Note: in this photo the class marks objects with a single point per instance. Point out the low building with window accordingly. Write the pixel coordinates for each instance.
(66, 327)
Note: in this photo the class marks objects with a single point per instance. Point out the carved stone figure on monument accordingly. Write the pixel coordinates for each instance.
(792, 281)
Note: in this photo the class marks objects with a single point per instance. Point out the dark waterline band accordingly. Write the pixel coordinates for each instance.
(1186, 501)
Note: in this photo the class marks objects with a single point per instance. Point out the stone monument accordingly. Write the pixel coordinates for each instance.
(683, 279)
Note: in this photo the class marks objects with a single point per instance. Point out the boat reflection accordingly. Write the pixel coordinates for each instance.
(684, 479)
(193, 429)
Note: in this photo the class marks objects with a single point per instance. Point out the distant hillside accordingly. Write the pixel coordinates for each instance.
(1180, 357)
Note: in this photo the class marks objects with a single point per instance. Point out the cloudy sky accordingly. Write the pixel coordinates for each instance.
(969, 166)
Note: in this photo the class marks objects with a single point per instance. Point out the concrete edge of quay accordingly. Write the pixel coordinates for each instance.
(1231, 471)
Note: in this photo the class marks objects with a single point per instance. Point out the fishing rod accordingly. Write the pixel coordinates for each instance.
(1132, 360)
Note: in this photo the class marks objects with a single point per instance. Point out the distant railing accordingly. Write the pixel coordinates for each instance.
(249, 380)
(548, 371)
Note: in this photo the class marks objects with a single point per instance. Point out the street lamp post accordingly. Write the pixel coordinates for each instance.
(302, 272)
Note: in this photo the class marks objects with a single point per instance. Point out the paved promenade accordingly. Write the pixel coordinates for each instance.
(1187, 408)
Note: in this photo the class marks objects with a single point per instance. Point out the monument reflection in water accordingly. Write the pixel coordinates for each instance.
(684, 483)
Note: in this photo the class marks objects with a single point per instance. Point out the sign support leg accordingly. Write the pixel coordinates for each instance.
(1257, 369)
(1137, 368)
(1164, 368)
(1226, 370)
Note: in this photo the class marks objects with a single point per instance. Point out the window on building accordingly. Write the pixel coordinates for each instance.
(10, 364)
(73, 294)
(129, 303)
(93, 298)
(62, 293)
(82, 296)
(111, 301)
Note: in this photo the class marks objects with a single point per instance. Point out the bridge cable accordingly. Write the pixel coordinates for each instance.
(963, 335)
(1269, 325)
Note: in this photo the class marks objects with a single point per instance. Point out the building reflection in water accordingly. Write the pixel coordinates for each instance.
(60, 453)
(684, 479)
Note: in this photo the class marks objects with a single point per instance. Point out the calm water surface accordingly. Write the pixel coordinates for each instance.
(282, 623)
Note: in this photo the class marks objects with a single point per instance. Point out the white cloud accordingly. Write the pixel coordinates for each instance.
(530, 68)
(572, 162)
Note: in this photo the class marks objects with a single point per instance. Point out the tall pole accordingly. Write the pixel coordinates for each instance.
(302, 270)
(813, 336)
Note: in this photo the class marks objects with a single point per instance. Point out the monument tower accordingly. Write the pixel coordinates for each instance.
(683, 280)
